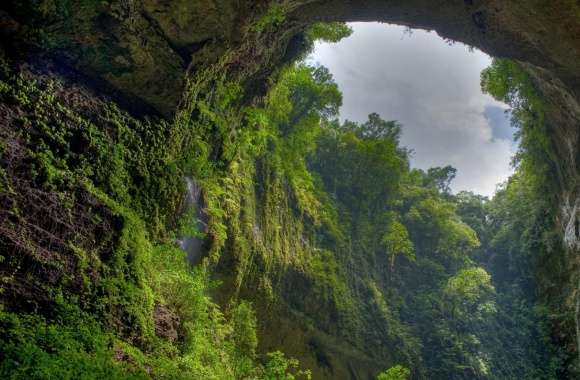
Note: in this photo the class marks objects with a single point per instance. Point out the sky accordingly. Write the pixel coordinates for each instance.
(430, 87)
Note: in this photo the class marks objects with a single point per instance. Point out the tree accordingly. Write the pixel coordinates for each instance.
(397, 372)
(359, 165)
(279, 367)
(377, 128)
(397, 242)
(468, 288)
(441, 178)
(328, 32)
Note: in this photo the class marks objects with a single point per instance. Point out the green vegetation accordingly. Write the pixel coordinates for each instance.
(397, 242)
(395, 373)
(306, 216)
(139, 310)
(71, 346)
(273, 17)
(328, 32)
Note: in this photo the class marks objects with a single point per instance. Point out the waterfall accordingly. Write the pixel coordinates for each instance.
(569, 224)
(194, 245)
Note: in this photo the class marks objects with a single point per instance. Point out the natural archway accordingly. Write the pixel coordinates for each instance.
(144, 48)
(95, 190)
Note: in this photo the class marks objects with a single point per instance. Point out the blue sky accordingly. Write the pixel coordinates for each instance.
(433, 89)
(499, 121)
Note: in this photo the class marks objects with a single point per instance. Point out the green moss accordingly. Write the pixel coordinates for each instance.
(83, 265)
(133, 170)
(5, 185)
(273, 17)
(329, 282)
(125, 290)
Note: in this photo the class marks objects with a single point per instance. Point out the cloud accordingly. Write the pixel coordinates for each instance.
(433, 89)
(499, 120)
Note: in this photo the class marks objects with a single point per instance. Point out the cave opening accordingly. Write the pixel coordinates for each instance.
(431, 86)
(353, 253)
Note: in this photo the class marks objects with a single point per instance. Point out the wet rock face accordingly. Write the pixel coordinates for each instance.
(562, 109)
(141, 48)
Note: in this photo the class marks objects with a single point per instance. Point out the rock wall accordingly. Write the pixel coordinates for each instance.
(143, 53)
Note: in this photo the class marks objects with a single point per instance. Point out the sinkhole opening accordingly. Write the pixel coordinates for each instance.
(431, 86)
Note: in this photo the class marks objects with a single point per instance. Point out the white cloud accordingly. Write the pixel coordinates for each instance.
(432, 89)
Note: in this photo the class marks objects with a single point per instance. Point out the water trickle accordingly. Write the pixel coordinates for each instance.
(194, 245)
(569, 224)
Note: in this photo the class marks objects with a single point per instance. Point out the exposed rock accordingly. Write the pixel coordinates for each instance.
(166, 323)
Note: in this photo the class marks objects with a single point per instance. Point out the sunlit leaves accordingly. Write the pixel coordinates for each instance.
(397, 242)
(450, 237)
(469, 285)
(328, 32)
(397, 372)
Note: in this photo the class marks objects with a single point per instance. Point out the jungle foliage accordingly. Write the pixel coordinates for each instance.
(428, 284)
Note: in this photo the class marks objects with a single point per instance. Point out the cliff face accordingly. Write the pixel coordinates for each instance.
(145, 49)
(184, 70)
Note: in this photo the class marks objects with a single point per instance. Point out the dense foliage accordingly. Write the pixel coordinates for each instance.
(306, 215)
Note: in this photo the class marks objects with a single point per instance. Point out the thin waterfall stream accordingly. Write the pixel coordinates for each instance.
(194, 245)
